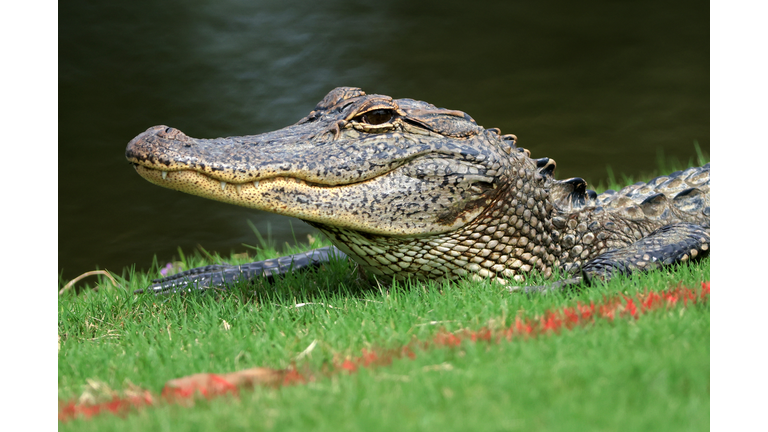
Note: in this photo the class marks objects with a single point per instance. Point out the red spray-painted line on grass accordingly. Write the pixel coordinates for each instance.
(213, 385)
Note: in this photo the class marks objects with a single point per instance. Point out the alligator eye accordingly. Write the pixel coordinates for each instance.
(376, 117)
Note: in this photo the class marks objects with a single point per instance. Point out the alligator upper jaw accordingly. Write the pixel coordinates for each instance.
(354, 187)
(301, 152)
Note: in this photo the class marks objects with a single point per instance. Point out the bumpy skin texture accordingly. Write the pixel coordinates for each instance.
(407, 189)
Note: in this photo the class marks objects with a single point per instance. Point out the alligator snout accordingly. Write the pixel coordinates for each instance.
(154, 142)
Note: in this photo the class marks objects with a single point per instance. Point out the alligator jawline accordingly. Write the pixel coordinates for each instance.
(164, 175)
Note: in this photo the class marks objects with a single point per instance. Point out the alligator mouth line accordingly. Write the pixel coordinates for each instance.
(171, 175)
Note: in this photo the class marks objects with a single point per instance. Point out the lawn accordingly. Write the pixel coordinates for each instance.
(649, 372)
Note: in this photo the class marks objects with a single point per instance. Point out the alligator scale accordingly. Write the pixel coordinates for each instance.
(407, 189)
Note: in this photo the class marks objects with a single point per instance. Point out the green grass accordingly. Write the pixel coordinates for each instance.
(646, 374)
(649, 374)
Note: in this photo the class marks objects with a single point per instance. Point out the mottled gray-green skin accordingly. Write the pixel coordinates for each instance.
(410, 190)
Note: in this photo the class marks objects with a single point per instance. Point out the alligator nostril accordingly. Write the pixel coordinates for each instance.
(167, 132)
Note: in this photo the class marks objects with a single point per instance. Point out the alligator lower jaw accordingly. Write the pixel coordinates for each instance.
(251, 194)
(282, 195)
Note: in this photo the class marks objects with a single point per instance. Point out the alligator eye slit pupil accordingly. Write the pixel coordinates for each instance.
(377, 117)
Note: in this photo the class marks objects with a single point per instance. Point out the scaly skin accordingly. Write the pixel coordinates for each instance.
(410, 190)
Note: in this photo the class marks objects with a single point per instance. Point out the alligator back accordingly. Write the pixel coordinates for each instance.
(688, 191)
(683, 195)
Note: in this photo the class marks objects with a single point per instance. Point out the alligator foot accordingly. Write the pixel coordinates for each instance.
(221, 275)
(668, 245)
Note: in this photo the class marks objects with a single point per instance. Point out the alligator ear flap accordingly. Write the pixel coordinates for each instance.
(445, 122)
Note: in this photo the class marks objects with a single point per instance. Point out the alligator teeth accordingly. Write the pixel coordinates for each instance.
(239, 188)
(223, 185)
(164, 174)
(256, 184)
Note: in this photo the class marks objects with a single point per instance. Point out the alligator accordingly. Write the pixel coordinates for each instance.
(409, 190)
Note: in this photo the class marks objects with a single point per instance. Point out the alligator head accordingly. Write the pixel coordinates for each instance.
(383, 178)
(362, 162)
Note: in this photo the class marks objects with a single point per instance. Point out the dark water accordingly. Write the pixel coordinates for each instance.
(590, 84)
